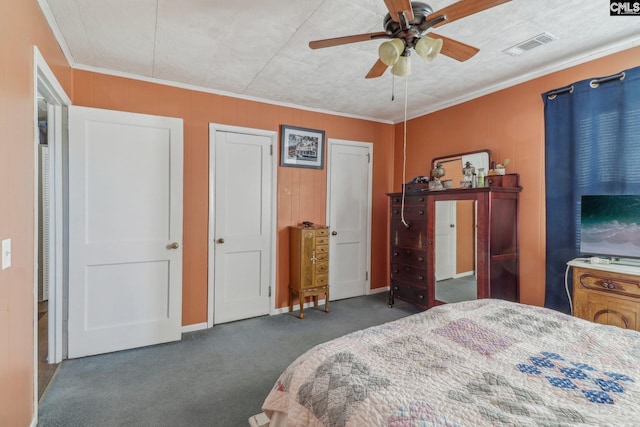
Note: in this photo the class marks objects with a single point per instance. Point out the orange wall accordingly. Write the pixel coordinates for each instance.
(301, 192)
(508, 122)
(21, 27)
(511, 124)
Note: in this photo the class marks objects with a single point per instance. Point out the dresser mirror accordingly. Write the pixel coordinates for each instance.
(455, 231)
(455, 250)
(454, 164)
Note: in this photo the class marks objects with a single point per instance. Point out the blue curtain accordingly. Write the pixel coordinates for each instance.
(592, 146)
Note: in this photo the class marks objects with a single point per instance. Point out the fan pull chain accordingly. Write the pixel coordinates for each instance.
(404, 160)
(393, 87)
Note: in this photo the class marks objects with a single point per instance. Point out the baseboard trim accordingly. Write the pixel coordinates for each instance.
(308, 304)
(465, 274)
(296, 307)
(194, 327)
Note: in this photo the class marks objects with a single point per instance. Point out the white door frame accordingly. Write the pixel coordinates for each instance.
(46, 84)
(369, 146)
(213, 127)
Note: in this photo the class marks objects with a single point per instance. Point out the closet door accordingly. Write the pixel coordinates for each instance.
(125, 230)
(349, 217)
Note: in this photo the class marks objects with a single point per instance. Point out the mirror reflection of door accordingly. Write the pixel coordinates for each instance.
(445, 240)
(455, 250)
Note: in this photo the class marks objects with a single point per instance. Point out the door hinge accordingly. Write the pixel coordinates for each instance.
(269, 291)
(271, 150)
(366, 275)
(368, 157)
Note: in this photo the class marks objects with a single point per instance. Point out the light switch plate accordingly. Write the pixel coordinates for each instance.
(6, 254)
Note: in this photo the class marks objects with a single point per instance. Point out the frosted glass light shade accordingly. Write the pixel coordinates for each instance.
(389, 52)
(428, 48)
(402, 67)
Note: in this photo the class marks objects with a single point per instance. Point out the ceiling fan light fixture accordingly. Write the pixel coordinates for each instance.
(391, 51)
(402, 67)
(428, 48)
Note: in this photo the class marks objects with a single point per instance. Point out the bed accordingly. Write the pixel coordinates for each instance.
(475, 363)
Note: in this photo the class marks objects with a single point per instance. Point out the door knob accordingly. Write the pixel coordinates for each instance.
(221, 240)
(173, 245)
(334, 233)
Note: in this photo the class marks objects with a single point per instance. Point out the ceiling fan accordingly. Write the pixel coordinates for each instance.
(407, 25)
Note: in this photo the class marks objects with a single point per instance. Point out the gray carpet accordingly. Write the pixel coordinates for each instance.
(216, 377)
(456, 290)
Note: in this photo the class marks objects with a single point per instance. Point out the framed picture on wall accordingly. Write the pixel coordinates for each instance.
(301, 147)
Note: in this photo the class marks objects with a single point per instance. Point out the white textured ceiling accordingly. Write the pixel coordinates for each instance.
(258, 49)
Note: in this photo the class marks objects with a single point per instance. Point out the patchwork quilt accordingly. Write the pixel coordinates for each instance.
(475, 363)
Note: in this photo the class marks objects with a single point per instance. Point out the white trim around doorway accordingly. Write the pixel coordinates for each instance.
(47, 85)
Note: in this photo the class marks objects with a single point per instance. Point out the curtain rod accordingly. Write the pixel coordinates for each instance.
(593, 83)
(596, 82)
(554, 93)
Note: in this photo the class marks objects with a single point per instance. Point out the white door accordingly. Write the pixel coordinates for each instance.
(241, 238)
(125, 230)
(445, 239)
(349, 169)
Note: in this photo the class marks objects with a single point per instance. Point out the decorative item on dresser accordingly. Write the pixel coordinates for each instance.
(491, 240)
(309, 264)
(607, 293)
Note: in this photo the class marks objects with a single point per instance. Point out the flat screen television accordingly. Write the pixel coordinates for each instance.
(610, 226)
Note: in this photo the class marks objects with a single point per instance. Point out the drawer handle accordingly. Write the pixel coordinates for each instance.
(608, 285)
(396, 271)
(421, 212)
(408, 251)
(396, 254)
(396, 211)
(397, 200)
(395, 288)
(421, 199)
(408, 269)
(420, 278)
(420, 259)
(420, 296)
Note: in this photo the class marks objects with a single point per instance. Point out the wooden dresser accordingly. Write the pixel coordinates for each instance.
(607, 294)
(309, 265)
(412, 249)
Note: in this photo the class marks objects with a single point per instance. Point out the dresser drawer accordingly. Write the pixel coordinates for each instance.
(409, 293)
(409, 257)
(322, 267)
(408, 200)
(411, 275)
(608, 282)
(410, 212)
(322, 280)
(324, 256)
(322, 249)
(320, 232)
(414, 236)
(322, 240)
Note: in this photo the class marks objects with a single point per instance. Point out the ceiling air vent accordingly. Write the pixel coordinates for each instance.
(532, 43)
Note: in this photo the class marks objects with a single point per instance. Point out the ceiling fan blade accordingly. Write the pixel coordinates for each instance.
(455, 49)
(377, 70)
(336, 41)
(398, 6)
(464, 8)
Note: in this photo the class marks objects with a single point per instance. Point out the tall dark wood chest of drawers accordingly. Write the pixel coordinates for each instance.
(412, 252)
